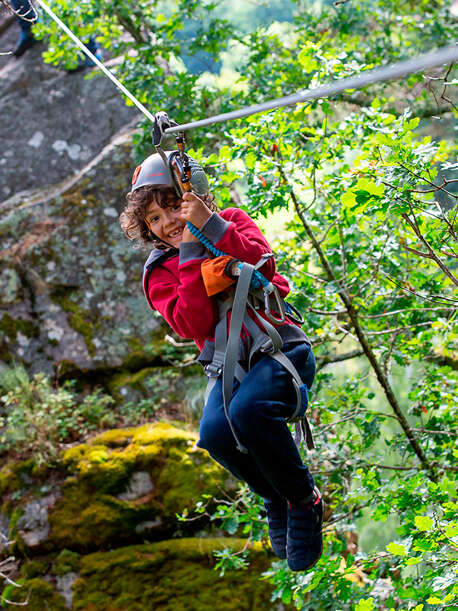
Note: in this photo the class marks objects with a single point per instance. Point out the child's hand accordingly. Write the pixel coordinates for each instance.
(193, 209)
(188, 237)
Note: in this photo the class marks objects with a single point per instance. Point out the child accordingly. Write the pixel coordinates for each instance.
(265, 397)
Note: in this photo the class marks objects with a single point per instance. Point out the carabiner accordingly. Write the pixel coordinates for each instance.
(268, 291)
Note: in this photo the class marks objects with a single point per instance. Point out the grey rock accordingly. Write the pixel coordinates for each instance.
(4, 532)
(64, 585)
(33, 525)
(36, 140)
(148, 525)
(382, 589)
(139, 484)
(54, 122)
(71, 280)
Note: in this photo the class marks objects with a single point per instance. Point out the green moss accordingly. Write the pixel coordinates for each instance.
(9, 479)
(12, 326)
(185, 477)
(78, 318)
(174, 575)
(116, 438)
(105, 468)
(10, 475)
(89, 514)
(85, 520)
(39, 595)
(134, 380)
(66, 562)
(34, 568)
(108, 467)
(164, 435)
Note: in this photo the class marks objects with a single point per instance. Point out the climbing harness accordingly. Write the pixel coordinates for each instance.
(253, 293)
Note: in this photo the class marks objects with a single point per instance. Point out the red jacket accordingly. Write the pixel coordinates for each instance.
(173, 282)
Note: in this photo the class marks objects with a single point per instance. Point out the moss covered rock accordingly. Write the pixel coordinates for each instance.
(175, 575)
(38, 593)
(120, 487)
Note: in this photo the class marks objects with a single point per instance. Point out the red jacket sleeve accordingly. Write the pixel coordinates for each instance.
(177, 292)
(233, 232)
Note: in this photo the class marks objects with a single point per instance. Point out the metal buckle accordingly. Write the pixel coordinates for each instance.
(213, 370)
(267, 346)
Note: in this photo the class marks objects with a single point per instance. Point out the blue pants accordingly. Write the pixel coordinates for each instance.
(24, 8)
(273, 467)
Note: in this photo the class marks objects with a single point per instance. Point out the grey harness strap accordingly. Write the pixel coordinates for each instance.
(215, 368)
(301, 422)
(269, 341)
(233, 341)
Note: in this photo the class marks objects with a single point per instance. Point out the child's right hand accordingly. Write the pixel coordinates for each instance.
(193, 209)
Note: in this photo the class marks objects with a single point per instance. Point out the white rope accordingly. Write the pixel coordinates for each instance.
(430, 60)
(96, 61)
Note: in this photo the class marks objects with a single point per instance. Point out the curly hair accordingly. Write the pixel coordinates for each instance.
(132, 219)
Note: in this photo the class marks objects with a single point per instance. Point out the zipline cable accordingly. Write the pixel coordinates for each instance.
(443, 55)
(96, 61)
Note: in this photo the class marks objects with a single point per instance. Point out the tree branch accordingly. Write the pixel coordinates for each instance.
(432, 254)
(338, 358)
(443, 360)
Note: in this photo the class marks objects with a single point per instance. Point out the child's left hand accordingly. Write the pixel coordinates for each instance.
(194, 210)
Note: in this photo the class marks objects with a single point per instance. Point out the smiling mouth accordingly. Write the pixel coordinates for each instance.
(176, 232)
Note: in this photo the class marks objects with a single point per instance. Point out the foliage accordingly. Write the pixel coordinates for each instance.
(370, 249)
(38, 418)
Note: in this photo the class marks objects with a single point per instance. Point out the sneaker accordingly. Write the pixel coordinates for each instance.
(277, 516)
(304, 542)
(85, 62)
(89, 63)
(24, 43)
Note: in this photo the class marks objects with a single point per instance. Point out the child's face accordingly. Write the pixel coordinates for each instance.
(166, 223)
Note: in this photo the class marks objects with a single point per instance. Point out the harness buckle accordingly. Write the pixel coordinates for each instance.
(267, 346)
(213, 370)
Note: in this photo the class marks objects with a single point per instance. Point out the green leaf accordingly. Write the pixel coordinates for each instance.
(306, 60)
(423, 523)
(250, 160)
(413, 561)
(365, 604)
(397, 549)
(366, 184)
(348, 199)
(451, 531)
(224, 152)
(434, 600)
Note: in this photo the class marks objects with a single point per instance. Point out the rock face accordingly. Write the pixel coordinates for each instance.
(70, 281)
(56, 122)
(119, 487)
(173, 575)
(92, 543)
(71, 306)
